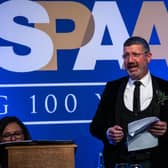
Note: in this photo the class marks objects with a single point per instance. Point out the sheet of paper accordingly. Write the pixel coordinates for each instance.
(138, 137)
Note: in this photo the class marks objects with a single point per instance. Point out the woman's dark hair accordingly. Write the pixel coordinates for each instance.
(12, 119)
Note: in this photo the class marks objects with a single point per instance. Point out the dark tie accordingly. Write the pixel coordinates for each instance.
(136, 98)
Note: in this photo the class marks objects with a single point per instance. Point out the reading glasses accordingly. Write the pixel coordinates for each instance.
(134, 54)
(16, 134)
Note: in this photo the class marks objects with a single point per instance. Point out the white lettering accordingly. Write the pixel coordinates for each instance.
(74, 103)
(98, 96)
(5, 111)
(39, 42)
(54, 100)
(93, 50)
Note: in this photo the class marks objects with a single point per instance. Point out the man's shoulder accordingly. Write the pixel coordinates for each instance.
(159, 79)
(118, 81)
(160, 83)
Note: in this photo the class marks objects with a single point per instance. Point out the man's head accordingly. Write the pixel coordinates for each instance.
(136, 57)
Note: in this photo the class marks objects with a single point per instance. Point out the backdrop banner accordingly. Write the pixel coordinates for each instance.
(56, 57)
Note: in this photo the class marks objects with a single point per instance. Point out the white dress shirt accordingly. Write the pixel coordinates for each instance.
(146, 92)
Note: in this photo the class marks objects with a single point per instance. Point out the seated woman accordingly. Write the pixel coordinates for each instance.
(12, 129)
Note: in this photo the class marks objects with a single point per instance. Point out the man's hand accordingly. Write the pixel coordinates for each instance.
(158, 128)
(115, 134)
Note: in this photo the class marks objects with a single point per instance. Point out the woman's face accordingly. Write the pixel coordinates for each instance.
(12, 132)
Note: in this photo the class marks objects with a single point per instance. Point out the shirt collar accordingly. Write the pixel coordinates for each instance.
(145, 80)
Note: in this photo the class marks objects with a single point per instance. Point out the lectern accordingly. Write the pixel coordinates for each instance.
(39, 154)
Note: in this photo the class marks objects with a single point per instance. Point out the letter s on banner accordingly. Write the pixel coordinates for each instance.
(41, 52)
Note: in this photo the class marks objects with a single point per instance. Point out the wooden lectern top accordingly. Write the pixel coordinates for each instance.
(36, 142)
(39, 154)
